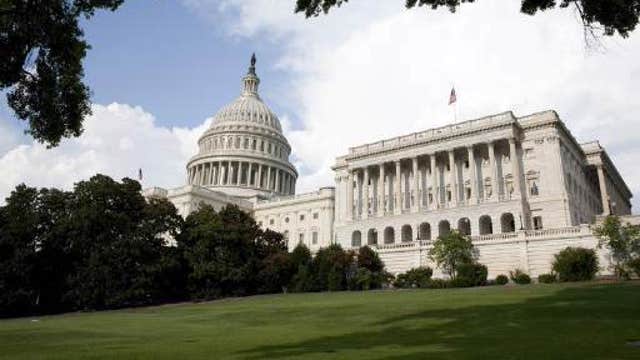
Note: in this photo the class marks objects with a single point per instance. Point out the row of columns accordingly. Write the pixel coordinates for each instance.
(388, 197)
(242, 173)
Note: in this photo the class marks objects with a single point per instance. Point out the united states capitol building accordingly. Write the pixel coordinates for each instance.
(523, 188)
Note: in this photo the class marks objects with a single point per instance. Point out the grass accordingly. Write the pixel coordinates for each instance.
(567, 321)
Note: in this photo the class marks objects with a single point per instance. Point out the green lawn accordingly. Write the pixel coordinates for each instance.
(572, 321)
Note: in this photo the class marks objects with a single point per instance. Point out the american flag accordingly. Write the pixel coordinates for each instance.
(452, 97)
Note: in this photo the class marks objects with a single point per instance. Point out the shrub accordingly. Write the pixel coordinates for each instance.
(547, 278)
(439, 284)
(502, 279)
(470, 274)
(519, 277)
(575, 264)
(414, 278)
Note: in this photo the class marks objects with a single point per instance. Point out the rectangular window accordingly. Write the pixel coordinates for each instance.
(537, 222)
(314, 238)
(315, 215)
(302, 217)
(301, 238)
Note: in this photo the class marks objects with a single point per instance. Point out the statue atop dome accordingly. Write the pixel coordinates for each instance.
(252, 68)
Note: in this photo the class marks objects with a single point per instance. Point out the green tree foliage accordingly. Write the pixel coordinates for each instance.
(18, 245)
(615, 16)
(332, 268)
(301, 262)
(575, 264)
(519, 277)
(502, 279)
(42, 47)
(414, 278)
(99, 246)
(470, 274)
(622, 241)
(452, 250)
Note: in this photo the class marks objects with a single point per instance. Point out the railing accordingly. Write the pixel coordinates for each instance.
(583, 230)
(431, 134)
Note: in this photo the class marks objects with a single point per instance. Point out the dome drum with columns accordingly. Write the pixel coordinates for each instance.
(244, 152)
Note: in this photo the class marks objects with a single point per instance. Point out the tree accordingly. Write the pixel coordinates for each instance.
(615, 16)
(42, 49)
(369, 259)
(451, 250)
(622, 241)
(301, 259)
(115, 241)
(222, 252)
(18, 246)
(330, 268)
(575, 264)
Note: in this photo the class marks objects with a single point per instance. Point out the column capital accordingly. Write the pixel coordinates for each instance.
(512, 140)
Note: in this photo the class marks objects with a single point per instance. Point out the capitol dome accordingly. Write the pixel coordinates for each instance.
(244, 152)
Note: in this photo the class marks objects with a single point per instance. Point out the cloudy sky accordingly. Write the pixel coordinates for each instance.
(369, 70)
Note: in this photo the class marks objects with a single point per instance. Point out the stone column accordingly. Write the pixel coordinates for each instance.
(277, 188)
(473, 199)
(434, 183)
(397, 196)
(223, 171)
(249, 174)
(358, 193)
(212, 169)
(350, 195)
(416, 185)
(365, 193)
(515, 168)
(604, 195)
(452, 178)
(381, 191)
(268, 178)
(494, 175)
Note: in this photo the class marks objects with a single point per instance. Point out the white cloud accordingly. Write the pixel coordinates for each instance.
(372, 70)
(118, 140)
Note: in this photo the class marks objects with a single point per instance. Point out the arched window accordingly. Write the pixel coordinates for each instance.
(507, 223)
(407, 233)
(372, 237)
(356, 239)
(444, 228)
(464, 226)
(424, 232)
(485, 226)
(389, 235)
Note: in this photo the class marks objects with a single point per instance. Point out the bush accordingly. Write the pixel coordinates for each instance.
(414, 278)
(519, 277)
(439, 284)
(547, 278)
(575, 264)
(470, 274)
(502, 279)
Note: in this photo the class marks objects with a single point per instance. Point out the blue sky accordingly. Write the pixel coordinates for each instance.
(169, 60)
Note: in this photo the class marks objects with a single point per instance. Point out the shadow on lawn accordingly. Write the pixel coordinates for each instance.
(535, 328)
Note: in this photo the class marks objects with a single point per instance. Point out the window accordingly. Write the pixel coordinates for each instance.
(253, 146)
(537, 222)
(314, 238)
(301, 217)
(286, 219)
(271, 222)
(259, 223)
(528, 153)
(301, 238)
(466, 164)
(315, 215)
(534, 189)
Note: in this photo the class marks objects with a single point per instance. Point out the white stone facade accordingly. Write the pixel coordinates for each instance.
(522, 188)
